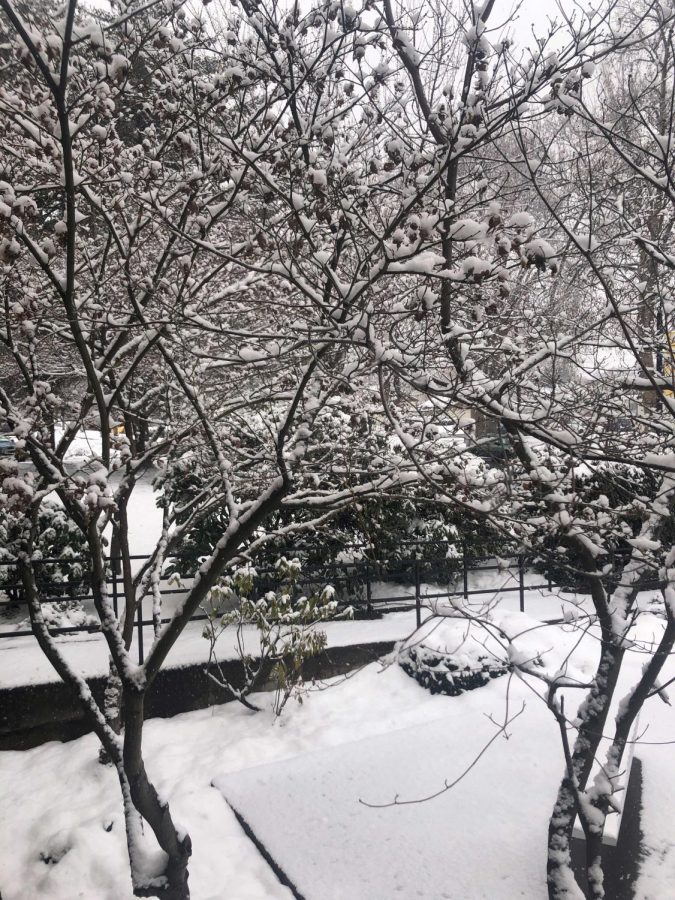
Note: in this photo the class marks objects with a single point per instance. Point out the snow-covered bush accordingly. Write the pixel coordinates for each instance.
(64, 573)
(451, 657)
(391, 535)
(280, 625)
(64, 614)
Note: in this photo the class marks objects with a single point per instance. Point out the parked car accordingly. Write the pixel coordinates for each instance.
(7, 444)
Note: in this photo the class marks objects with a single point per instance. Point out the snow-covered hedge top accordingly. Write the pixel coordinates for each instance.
(467, 643)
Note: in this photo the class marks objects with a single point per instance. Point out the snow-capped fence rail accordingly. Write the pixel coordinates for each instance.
(416, 581)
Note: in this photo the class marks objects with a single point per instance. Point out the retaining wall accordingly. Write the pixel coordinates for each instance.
(36, 713)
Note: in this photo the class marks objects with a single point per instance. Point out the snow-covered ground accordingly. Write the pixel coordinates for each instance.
(85, 445)
(299, 781)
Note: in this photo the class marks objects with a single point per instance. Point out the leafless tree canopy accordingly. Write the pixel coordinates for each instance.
(228, 231)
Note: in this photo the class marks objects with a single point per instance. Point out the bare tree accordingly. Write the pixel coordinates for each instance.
(605, 199)
(220, 224)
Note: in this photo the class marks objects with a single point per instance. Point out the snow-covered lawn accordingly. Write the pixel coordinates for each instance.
(298, 782)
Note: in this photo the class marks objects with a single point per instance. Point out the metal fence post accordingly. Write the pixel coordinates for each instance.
(139, 622)
(521, 582)
(418, 590)
(115, 567)
(114, 590)
(465, 572)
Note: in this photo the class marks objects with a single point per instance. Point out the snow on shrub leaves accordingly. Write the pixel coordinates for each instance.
(61, 565)
(451, 656)
(285, 624)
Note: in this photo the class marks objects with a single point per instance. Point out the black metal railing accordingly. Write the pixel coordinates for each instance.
(356, 584)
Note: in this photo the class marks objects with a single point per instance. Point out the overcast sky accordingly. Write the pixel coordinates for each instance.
(531, 13)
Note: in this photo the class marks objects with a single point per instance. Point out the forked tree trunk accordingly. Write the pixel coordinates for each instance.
(593, 713)
(120, 564)
(141, 801)
(153, 810)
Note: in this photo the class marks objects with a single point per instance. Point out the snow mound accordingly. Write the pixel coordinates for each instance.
(451, 656)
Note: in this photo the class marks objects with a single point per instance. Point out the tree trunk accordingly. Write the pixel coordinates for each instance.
(154, 811)
(593, 713)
